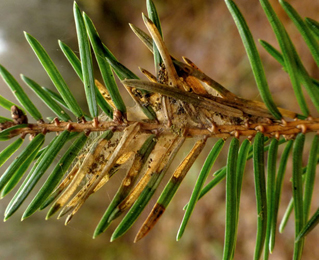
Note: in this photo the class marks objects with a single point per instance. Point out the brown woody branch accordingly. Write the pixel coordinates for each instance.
(271, 129)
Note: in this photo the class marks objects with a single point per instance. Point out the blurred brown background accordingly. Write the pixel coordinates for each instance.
(201, 30)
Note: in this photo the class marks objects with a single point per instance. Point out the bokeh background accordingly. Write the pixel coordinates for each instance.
(201, 30)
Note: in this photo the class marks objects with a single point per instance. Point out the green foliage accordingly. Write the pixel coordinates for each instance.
(86, 58)
(19, 93)
(254, 59)
(54, 75)
(177, 106)
(210, 160)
